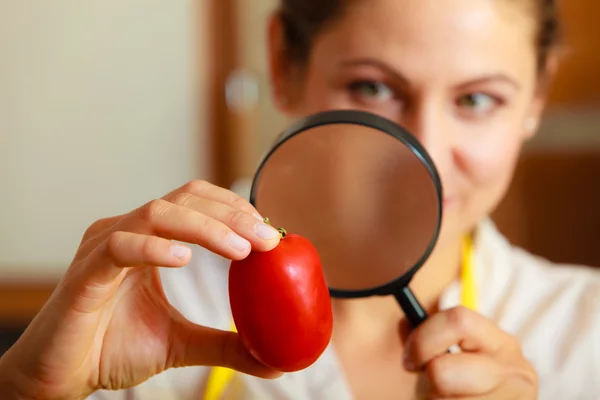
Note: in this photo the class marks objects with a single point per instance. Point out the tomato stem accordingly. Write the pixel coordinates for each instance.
(282, 231)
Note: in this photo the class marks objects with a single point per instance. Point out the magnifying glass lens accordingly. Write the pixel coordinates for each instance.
(366, 199)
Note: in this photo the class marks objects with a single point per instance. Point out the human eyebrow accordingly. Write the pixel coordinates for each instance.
(396, 75)
(491, 78)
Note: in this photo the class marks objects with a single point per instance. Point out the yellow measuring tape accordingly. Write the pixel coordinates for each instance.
(468, 295)
(220, 377)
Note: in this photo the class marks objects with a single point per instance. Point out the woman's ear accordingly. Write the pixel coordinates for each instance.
(545, 79)
(279, 63)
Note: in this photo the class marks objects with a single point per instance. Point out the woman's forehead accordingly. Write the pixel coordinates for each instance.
(473, 13)
(469, 36)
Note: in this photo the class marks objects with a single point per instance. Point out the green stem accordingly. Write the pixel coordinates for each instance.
(282, 231)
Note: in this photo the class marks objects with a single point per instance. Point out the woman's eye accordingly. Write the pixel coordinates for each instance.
(478, 102)
(373, 90)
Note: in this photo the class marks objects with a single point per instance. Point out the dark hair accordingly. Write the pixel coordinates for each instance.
(304, 19)
(549, 31)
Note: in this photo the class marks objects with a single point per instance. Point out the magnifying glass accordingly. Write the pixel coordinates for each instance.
(364, 192)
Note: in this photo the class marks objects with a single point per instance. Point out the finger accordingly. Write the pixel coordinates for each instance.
(100, 226)
(171, 221)
(126, 249)
(196, 345)
(96, 233)
(210, 191)
(463, 375)
(261, 236)
(470, 330)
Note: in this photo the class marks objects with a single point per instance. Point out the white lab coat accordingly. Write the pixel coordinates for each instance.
(553, 309)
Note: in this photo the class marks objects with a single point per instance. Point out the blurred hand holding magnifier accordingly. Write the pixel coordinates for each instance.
(364, 192)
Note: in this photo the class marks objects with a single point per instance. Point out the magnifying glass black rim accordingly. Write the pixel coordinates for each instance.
(357, 117)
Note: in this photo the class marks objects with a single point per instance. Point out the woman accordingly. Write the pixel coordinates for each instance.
(468, 78)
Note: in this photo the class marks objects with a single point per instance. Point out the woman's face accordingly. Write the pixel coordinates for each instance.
(460, 75)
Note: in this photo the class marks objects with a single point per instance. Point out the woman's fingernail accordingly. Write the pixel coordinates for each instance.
(181, 252)
(258, 216)
(265, 231)
(238, 242)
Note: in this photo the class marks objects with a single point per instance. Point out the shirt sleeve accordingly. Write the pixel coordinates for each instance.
(594, 340)
(575, 353)
(109, 395)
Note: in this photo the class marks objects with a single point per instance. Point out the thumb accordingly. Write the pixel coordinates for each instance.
(195, 345)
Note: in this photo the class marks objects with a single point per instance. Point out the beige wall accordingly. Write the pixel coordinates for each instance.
(267, 121)
(98, 114)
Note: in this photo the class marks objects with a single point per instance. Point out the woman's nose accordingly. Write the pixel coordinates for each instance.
(426, 124)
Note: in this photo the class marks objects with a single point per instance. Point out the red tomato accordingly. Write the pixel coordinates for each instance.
(281, 305)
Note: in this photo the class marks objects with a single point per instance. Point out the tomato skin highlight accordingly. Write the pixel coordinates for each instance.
(281, 305)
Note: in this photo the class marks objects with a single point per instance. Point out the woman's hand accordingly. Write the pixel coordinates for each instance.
(108, 324)
(490, 366)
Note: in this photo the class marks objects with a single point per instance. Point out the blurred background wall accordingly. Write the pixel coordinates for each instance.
(103, 107)
(98, 114)
(106, 104)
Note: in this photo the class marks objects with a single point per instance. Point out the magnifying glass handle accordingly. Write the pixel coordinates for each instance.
(410, 305)
(415, 313)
